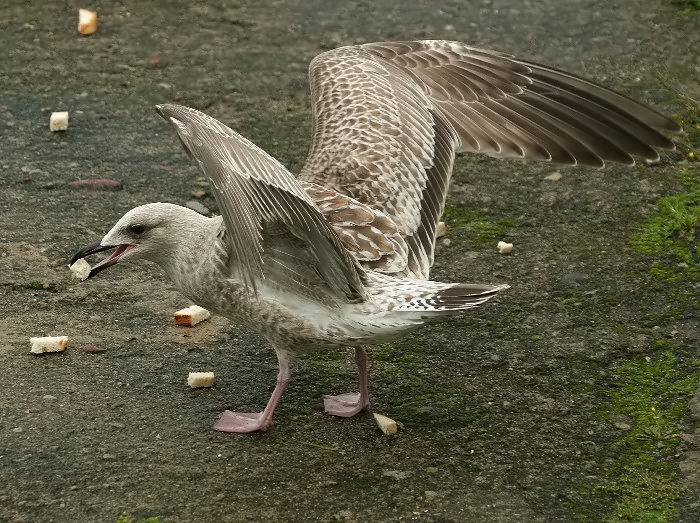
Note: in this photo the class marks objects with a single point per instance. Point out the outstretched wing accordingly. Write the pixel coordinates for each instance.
(388, 118)
(507, 107)
(264, 207)
(379, 139)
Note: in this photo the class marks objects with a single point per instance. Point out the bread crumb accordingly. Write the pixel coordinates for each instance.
(386, 424)
(58, 121)
(191, 316)
(504, 248)
(200, 379)
(81, 269)
(554, 176)
(441, 230)
(43, 344)
(87, 22)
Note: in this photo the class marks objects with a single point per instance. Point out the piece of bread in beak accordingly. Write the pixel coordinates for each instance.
(81, 269)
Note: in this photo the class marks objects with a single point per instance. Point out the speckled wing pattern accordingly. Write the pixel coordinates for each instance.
(256, 193)
(389, 117)
(371, 236)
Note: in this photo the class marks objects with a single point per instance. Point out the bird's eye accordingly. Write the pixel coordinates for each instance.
(137, 229)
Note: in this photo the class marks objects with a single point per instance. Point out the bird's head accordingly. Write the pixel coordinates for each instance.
(151, 232)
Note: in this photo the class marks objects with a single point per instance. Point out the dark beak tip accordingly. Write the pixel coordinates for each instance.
(88, 250)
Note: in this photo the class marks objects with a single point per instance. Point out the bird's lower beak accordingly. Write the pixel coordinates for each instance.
(98, 247)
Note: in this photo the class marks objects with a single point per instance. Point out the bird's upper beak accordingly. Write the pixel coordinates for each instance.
(98, 247)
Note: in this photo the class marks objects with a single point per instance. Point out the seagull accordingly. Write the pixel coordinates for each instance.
(340, 255)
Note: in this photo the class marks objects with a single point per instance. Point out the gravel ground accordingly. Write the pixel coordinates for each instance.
(508, 413)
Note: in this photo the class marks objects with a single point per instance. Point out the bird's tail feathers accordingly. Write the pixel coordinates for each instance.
(425, 296)
(456, 297)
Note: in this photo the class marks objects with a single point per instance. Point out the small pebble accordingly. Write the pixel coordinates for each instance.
(92, 348)
(554, 176)
(589, 446)
(430, 495)
(396, 474)
(574, 278)
(49, 397)
(97, 184)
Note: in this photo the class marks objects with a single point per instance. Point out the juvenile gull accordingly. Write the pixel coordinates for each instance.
(340, 256)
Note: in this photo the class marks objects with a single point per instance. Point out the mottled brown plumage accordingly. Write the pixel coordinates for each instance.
(341, 255)
(389, 117)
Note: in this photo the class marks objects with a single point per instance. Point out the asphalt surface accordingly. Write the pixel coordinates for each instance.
(504, 412)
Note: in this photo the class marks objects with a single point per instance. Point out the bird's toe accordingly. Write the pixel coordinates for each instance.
(344, 405)
(241, 422)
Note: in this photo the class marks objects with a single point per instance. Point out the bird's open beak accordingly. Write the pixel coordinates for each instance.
(98, 247)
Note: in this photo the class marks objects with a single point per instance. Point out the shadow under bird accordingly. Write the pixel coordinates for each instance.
(340, 255)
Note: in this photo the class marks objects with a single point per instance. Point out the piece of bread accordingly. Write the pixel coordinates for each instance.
(48, 344)
(386, 424)
(191, 316)
(200, 379)
(504, 248)
(87, 22)
(58, 121)
(80, 269)
(441, 230)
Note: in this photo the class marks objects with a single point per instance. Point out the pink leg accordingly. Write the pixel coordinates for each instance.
(242, 422)
(346, 405)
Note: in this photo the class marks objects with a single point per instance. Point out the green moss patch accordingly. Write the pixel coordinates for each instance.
(415, 400)
(653, 393)
(688, 6)
(39, 286)
(127, 519)
(671, 234)
(481, 228)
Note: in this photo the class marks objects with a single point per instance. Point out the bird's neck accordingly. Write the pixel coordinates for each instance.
(190, 255)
